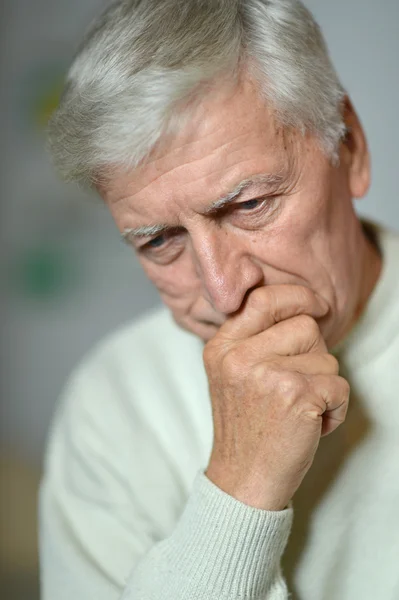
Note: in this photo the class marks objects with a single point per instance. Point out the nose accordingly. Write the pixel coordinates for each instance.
(226, 270)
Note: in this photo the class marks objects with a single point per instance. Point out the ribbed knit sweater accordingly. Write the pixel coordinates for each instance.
(127, 512)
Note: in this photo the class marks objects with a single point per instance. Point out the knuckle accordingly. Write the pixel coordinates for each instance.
(259, 376)
(345, 388)
(291, 387)
(259, 298)
(332, 363)
(232, 362)
(212, 352)
(309, 325)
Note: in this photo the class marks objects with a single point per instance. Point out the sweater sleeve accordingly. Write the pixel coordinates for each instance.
(221, 549)
(103, 510)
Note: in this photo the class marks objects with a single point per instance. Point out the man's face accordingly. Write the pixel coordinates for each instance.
(295, 224)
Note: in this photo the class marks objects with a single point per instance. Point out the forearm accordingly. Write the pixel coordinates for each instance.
(220, 549)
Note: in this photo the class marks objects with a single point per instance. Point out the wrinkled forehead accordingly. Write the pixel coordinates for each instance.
(229, 136)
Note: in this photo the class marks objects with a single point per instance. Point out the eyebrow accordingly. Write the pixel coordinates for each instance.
(271, 180)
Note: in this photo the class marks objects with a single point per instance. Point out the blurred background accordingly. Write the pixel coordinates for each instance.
(66, 279)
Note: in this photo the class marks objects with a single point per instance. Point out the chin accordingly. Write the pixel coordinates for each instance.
(333, 333)
(204, 331)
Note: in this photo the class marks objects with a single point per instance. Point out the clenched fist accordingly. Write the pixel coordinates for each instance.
(275, 391)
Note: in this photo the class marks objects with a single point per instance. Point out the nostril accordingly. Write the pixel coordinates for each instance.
(227, 290)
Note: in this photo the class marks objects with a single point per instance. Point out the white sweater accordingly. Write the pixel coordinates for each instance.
(127, 513)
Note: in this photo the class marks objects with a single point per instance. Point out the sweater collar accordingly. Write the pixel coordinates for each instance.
(379, 323)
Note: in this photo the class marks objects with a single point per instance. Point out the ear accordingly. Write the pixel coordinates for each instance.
(354, 153)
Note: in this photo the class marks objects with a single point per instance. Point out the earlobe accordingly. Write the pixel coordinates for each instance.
(355, 152)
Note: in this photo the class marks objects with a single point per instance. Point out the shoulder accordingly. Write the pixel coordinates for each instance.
(143, 389)
(154, 331)
(147, 351)
(388, 240)
(129, 431)
(375, 337)
(385, 300)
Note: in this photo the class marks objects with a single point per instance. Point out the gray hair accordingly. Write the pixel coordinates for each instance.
(142, 61)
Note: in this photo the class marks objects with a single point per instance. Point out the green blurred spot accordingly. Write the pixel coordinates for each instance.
(39, 93)
(47, 104)
(42, 273)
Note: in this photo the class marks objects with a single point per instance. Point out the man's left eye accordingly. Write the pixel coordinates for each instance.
(250, 204)
(156, 242)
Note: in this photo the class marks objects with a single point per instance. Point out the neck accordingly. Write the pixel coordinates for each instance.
(371, 267)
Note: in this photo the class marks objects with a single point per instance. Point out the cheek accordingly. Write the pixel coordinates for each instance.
(177, 283)
(289, 246)
(297, 248)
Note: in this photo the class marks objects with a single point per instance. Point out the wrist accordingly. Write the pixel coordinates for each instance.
(252, 491)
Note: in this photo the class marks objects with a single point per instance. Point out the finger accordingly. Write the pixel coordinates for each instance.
(298, 335)
(312, 364)
(333, 393)
(269, 305)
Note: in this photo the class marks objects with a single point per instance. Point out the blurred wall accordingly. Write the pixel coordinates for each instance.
(68, 279)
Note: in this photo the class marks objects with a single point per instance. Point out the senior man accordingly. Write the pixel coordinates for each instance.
(221, 140)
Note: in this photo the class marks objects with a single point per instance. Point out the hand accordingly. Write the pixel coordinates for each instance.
(275, 391)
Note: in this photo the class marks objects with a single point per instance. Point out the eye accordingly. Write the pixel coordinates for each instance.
(249, 204)
(157, 242)
(254, 213)
(165, 247)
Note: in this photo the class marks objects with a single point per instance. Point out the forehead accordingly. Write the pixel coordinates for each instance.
(231, 136)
